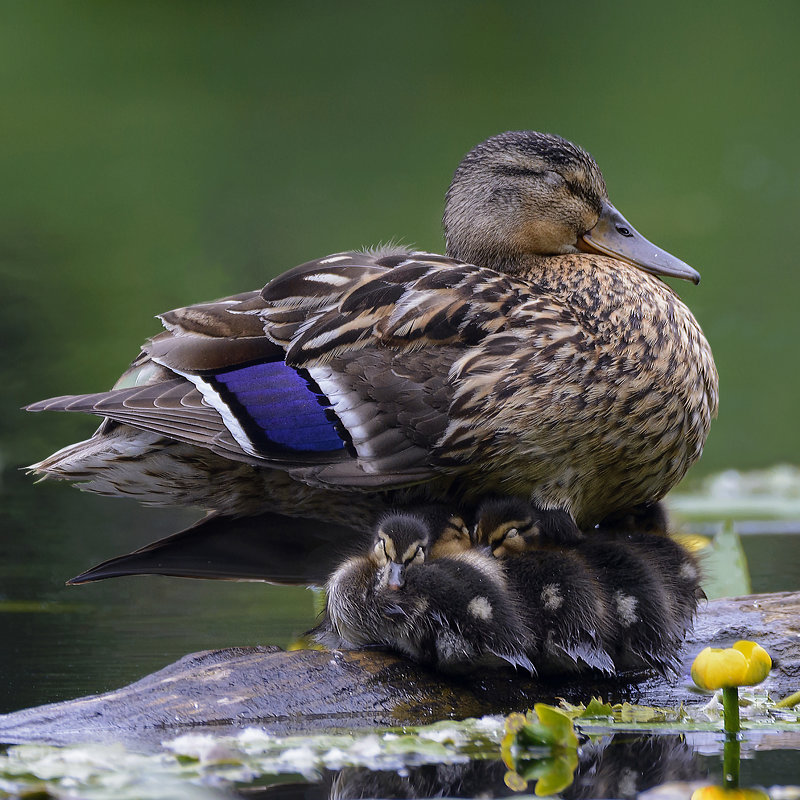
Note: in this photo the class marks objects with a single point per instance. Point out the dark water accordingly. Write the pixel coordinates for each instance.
(59, 642)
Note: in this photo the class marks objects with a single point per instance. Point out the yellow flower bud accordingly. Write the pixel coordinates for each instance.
(715, 668)
(758, 662)
(744, 664)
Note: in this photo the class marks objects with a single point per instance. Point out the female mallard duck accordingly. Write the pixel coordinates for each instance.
(541, 357)
(632, 596)
(453, 613)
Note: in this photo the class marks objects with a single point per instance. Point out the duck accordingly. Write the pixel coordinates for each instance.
(452, 613)
(542, 356)
(629, 595)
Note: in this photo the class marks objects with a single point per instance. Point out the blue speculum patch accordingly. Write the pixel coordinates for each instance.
(282, 405)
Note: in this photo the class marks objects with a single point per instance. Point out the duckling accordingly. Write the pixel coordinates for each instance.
(650, 517)
(563, 602)
(645, 583)
(679, 570)
(542, 357)
(647, 611)
(448, 531)
(645, 530)
(510, 526)
(453, 613)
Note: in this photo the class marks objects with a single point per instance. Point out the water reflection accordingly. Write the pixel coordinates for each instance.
(61, 642)
(615, 766)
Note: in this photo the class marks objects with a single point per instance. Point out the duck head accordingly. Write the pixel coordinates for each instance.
(449, 533)
(523, 193)
(401, 541)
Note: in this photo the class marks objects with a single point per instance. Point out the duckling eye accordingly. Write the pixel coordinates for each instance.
(624, 231)
(511, 533)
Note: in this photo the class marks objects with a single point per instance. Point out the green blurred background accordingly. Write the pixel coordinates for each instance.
(159, 154)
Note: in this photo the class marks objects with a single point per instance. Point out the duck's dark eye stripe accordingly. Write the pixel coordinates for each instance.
(589, 197)
(512, 172)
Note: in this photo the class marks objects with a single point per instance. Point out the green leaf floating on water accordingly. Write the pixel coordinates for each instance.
(540, 746)
(596, 709)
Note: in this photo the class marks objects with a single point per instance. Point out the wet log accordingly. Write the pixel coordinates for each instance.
(290, 692)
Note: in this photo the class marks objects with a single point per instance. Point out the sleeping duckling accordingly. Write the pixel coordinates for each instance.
(564, 603)
(645, 528)
(646, 605)
(647, 584)
(678, 569)
(452, 613)
(511, 525)
(449, 533)
(648, 518)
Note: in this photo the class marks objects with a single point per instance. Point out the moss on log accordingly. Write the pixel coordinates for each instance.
(288, 692)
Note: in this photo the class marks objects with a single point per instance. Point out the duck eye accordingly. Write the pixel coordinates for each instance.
(624, 231)
(511, 533)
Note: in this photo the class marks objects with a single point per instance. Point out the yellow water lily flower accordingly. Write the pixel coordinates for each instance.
(744, 664)
(759, 662)
(540, 747)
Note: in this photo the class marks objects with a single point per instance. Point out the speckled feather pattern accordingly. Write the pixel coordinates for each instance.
(517, 374)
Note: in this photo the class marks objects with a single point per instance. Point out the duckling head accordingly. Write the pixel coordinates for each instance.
(523, 194)
(506, 526)
(510, 525)
(401, 541)
(449, 531)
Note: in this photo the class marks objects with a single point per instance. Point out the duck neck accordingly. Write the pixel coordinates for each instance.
(520, 265)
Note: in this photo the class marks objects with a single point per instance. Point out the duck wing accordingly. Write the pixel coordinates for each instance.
(415, 359)
(213, 379)
(360, 371)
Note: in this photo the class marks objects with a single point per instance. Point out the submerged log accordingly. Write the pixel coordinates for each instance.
(289, 692)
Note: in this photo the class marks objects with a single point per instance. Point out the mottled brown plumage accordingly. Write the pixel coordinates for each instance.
(575, 379)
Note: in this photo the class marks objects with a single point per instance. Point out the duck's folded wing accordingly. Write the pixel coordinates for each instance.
(343, 372)
(412, 359)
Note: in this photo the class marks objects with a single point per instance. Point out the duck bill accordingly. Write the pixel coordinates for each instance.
(614, 236)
